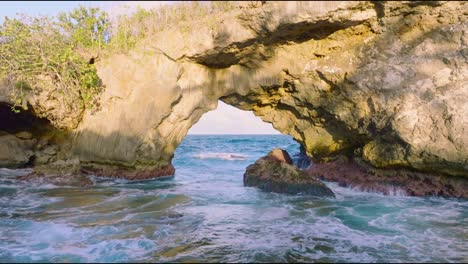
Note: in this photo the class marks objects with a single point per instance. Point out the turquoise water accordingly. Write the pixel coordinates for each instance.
(204, 214)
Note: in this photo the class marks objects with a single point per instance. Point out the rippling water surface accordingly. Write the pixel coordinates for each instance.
(204, 214)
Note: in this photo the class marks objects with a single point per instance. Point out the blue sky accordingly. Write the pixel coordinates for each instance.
(10, 8)
(224, 120)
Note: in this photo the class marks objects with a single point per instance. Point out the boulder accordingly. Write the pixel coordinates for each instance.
(276, 173)
(15, 152)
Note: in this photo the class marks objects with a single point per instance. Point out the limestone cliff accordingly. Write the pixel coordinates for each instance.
(384, 82)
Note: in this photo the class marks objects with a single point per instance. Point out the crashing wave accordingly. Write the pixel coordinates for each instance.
(14, 172)
(221, 155)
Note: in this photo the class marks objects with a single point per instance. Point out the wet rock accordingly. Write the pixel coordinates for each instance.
(128, 173)
(60, 173)
(357, 174)
(276, 173)
(15, 152)
(74, 180)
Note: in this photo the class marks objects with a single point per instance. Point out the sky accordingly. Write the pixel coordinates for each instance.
(227, 119)
(224, 120)
(10, 8)
(35, 8)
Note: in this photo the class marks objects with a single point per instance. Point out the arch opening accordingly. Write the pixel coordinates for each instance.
(226, 119)
(231, 134)
(25, 120)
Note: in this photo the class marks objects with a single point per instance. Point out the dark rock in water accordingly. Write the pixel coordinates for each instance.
(301, 160)
(75, 180)
(357, 174)
(276, 173)
(129, 173)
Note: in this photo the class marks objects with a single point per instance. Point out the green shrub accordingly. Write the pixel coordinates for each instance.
(58, 50)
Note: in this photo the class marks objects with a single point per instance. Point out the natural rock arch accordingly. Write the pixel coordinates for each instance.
(332, 80)
(384, 83)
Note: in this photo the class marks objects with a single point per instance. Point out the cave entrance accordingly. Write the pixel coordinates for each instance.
(19, 135)
(23, 121)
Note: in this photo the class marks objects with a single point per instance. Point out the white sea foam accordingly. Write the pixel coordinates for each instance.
(14, 172)
(221, 155)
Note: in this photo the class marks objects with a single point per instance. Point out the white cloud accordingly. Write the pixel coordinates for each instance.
(230, 120)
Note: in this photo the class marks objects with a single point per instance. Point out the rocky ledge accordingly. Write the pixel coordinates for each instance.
(355, 173)
(276, 173)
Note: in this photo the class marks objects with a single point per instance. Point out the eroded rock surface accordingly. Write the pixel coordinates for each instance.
(276, 173)
(385, 82)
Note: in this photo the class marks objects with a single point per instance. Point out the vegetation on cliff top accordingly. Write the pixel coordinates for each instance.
(45, 51)
(58, 53)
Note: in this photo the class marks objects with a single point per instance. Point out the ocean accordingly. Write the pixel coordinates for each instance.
(205, 214)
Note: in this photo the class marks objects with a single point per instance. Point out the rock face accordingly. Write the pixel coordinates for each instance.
(385, 82)
(276, 173)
